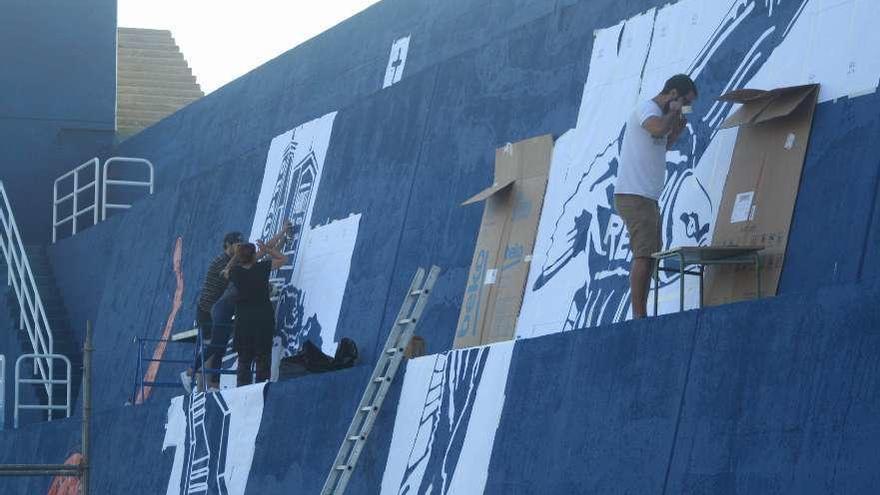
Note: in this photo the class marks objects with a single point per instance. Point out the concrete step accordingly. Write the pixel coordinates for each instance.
(135, 123)
(151, 64)
(144, 99)
(133, 43)
(147, 53)
(143, 32)
(154, 71)
(182, 92)
(135, 101)
(142, 116)
(132, 109)
(178, 82)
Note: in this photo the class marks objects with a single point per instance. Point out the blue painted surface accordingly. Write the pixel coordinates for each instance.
(59, 103)
(832, 223)
(769, 397)
(775, 396)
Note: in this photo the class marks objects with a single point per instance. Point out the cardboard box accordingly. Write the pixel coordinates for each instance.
(762, 185)
(496, 281)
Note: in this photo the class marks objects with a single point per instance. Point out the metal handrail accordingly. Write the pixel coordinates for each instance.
(74, 197)
(123, 159)
(32, 313)
(50, 407)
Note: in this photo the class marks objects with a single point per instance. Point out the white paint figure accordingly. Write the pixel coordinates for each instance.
(444, 431)
(213, 437)
(312, 285)
(579, 275)
(396, 62)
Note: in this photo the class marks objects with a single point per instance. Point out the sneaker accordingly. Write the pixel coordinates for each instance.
(186, 380)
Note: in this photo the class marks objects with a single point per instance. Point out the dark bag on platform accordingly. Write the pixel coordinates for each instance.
(310, 359)
(346, 354)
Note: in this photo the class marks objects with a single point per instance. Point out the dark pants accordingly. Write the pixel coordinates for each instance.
(221, 316)
(260, 359)
(205, 325)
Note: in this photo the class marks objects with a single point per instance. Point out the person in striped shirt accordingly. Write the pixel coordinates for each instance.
(214, 290)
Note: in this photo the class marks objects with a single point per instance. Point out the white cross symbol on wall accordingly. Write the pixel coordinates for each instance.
(396, 61)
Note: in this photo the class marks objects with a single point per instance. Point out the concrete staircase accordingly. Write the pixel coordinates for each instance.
(65, 342)
(153, 79)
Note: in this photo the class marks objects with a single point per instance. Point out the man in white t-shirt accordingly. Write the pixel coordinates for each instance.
(650, 131)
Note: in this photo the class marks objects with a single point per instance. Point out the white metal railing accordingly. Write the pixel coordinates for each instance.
(118, 182)
(32, 314)
(50, 407)
(73, 196)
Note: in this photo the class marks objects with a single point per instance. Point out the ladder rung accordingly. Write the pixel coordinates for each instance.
(374, 394)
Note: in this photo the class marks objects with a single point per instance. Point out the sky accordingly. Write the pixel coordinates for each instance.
(225, 39)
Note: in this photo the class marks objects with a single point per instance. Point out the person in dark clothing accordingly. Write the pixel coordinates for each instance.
(221, 316)
(254, 314)
(216, 307)
(213, 288)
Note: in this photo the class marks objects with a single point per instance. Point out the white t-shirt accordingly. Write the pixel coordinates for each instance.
(642, 166)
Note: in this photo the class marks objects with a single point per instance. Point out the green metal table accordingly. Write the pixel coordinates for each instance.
(702, 257)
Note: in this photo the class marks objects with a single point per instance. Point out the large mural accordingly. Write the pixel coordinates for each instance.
(446, 419)
(451, 403)
(309, 289)
(213, 436)
(580, 271)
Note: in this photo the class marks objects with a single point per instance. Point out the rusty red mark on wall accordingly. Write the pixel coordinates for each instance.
(153, 368)
(66, 485)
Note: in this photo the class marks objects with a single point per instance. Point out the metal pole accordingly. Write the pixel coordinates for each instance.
(87, 410)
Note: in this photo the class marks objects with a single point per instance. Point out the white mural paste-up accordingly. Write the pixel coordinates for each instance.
(213, 437)
(447, 416)
(322, 271)
(311, 286)
(396, 62)
(579, 275)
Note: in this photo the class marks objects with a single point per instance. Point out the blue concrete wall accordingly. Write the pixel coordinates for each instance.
(776, 396)
(469, 87)
(435, 148)
(767, 397)
(59, 103)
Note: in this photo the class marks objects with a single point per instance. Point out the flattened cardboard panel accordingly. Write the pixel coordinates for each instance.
(533, 156)
(744, 95)
(786, 103)
(768, 163)
(746, 114)
(496, 281)
(514, 259)
(489, 191)
(468, 332)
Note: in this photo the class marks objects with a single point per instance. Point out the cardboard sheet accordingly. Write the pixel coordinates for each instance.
(762, 186)
(498, 273)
